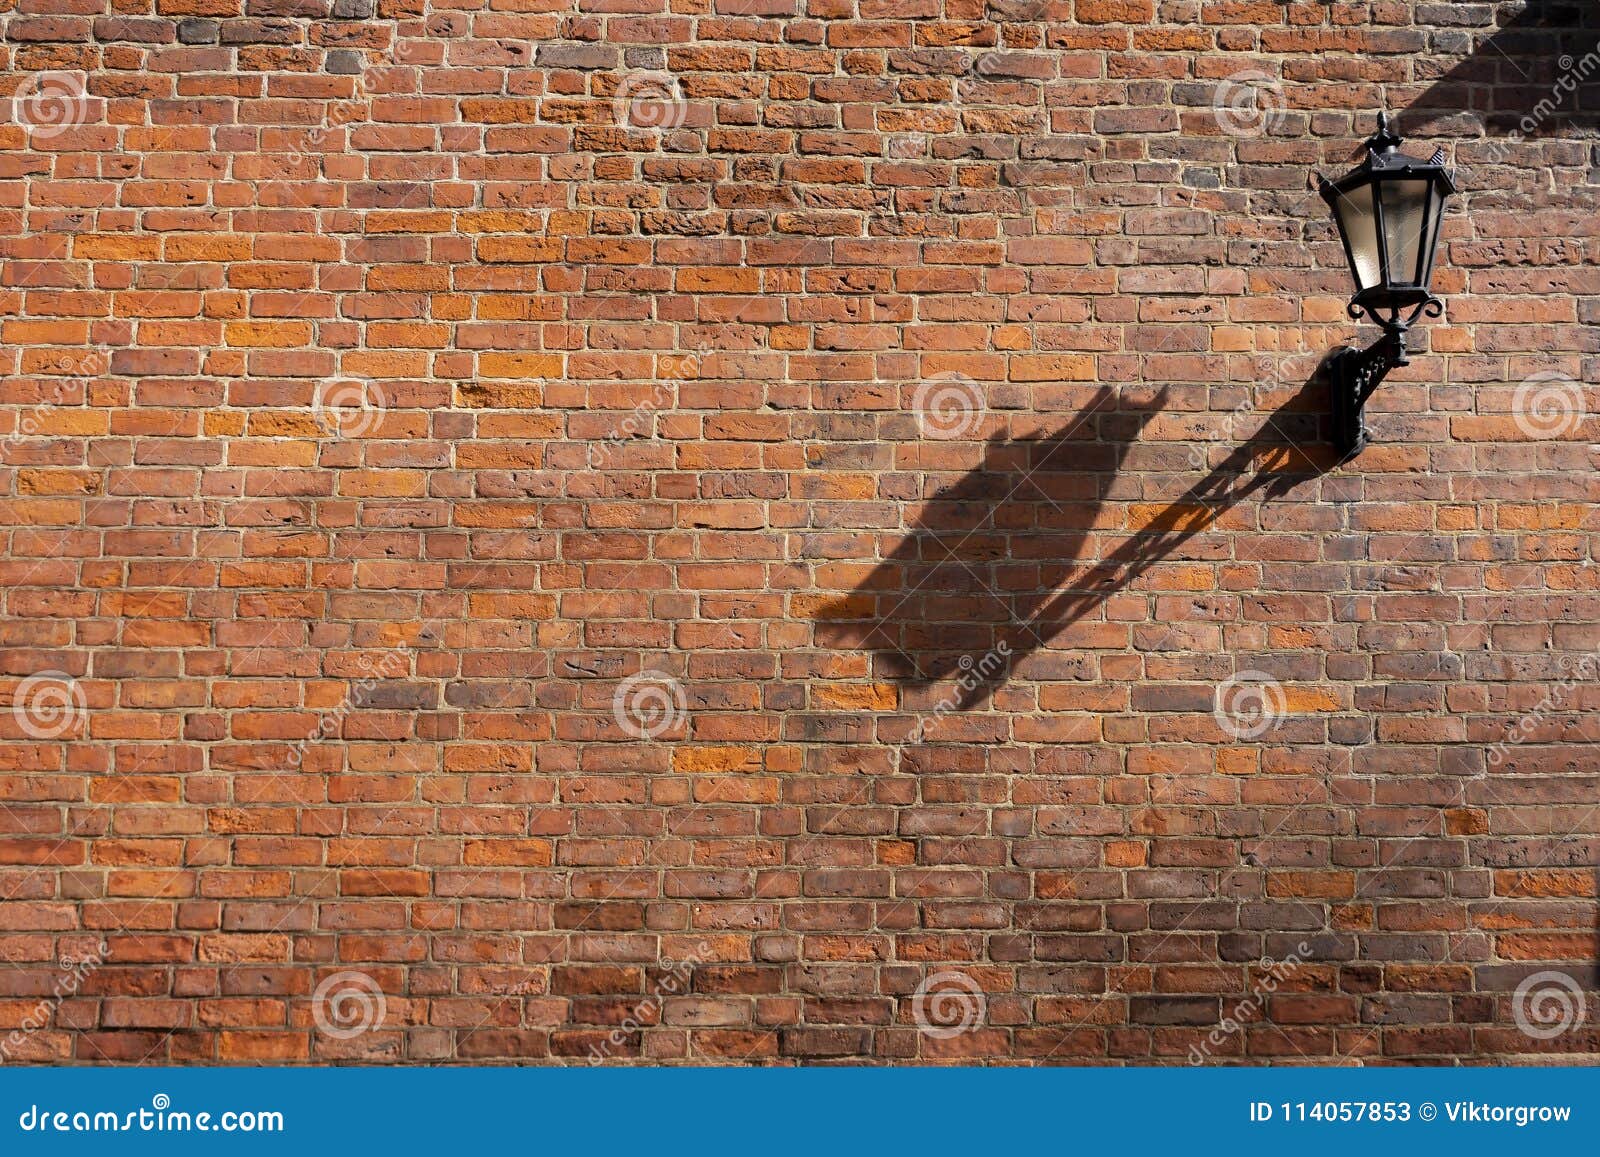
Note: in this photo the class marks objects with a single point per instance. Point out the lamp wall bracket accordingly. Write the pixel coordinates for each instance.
(1354, 375)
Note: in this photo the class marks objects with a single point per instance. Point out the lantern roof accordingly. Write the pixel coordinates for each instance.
(1385, 161)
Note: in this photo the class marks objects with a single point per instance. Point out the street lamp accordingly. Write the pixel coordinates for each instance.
(1388, 210)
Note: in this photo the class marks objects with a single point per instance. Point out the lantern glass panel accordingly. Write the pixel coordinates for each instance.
(1405, 205)
(1359, 222)
(1436, 195)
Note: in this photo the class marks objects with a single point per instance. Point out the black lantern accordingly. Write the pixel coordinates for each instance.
(1388, 210)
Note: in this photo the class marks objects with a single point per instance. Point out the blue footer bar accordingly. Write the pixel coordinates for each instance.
(779, 1111)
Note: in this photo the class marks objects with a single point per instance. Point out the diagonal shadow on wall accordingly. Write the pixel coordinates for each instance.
(995, 569)
(1532, 74)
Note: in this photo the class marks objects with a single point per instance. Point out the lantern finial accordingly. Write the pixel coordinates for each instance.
(1385, 140)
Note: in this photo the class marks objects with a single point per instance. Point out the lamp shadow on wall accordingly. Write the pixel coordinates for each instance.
(1512, 83)
(995, 572)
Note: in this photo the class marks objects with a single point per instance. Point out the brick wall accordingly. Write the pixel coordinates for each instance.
(784, 530)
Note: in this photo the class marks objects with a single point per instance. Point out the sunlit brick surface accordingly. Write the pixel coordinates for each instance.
(776, 531)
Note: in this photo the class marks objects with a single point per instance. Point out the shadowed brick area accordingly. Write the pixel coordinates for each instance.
(788, 531)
